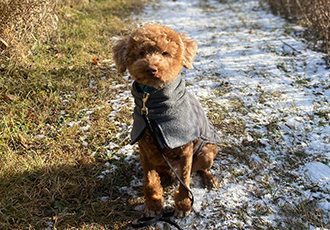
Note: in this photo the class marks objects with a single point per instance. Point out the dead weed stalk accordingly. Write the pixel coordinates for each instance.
(314, 14)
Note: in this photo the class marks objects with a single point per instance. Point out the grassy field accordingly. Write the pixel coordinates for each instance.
(54, 86)
(61, 127)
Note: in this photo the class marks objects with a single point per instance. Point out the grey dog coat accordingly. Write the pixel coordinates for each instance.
(175, 114)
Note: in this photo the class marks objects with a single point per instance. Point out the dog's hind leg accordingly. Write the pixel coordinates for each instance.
(203, 160)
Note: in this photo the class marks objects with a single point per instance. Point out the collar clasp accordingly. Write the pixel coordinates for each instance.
(144, 109)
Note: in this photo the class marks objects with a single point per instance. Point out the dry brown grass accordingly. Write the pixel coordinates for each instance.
(49, 177)
(24, 22)
(315, 14)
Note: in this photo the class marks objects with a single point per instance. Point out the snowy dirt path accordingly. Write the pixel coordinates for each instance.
(269, 96)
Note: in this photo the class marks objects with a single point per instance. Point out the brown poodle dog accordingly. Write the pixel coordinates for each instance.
(154, 56)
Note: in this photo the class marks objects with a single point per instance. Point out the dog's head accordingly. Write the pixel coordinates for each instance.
(154, 54)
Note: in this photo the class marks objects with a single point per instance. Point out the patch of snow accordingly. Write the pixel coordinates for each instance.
(283, 90)
(319, 173)
(85, 128)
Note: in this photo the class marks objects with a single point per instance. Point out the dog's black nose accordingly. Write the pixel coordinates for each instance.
(152, 70)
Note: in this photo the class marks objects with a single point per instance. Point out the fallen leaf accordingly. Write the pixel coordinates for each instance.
(97, 63)
(9, 97)
(22, 140)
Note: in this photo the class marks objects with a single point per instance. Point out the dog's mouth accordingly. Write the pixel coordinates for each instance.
(151, 82)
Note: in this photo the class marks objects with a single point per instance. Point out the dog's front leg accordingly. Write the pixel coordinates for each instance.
(152, 188)
(153, 194)
(182, 201)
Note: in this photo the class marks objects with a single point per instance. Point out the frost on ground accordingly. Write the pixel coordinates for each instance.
(268, 95)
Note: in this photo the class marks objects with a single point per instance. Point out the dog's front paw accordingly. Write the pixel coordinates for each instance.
(152, 213)
(181, 213)
(154, 207)
(182, 205)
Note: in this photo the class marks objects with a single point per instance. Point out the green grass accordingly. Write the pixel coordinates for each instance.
(55, 132)
(49, 164)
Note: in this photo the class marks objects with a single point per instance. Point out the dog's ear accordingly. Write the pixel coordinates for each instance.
(190, 48)
(119, 51)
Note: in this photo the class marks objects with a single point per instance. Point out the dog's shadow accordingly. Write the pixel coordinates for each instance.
(85, 195)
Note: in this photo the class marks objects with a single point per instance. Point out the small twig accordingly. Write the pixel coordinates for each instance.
(4, 42)
(291, 47)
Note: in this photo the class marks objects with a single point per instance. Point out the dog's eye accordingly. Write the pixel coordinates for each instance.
(142, 53)
(165, 53)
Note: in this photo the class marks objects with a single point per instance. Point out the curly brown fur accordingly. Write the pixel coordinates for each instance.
(154, 55)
